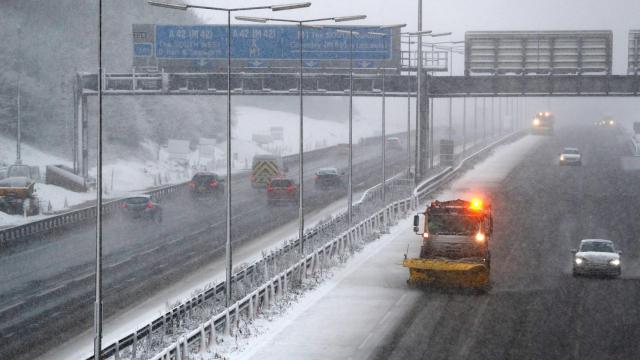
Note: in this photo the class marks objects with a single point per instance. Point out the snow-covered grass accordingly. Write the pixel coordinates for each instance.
(317, 133)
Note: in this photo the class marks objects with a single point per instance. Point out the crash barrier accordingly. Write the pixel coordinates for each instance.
(14, 234)
(62, 176)
(203, 337)
(217, 290)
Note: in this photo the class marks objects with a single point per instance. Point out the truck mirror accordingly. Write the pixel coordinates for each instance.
(416, 223)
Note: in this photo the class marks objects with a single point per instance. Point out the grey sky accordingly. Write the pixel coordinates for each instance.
(459, 16)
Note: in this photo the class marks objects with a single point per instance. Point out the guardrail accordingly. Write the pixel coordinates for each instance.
(15, 233)
(201, 338)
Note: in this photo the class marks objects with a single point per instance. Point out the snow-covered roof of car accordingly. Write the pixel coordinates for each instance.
(596, 240)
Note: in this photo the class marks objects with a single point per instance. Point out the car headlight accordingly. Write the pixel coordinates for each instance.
(561, 157)
(579, 261)
(615, 262)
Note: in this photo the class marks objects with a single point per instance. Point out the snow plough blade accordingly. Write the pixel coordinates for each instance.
(447, 273)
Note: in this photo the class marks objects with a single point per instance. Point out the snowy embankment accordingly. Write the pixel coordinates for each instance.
(131, 175)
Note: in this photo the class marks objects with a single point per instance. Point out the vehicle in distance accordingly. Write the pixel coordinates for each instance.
(142, 207)
(596, 257)
(543, 123)
(328, 178)
(607, 121)
(206, 183)
(570, 156)
(394, 143)
(17, 196)
(455, 245)
(282, 191)
(266, 167)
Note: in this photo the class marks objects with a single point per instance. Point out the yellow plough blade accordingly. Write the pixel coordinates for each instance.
(447, 273)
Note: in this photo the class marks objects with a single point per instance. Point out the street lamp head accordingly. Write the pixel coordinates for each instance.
(168, 6)
(349, 18)
(419, 33)
(441, 34)
(252, 19)
(392, 26)
(290, 6)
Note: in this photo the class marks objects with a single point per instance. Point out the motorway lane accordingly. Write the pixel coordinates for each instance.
(177, 253)
(352, 313)
(536, 309)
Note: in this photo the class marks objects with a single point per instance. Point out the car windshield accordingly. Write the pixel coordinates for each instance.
(137, 200)
(328, 172)
(596, 246)
(280, 183)
(204, 178)
(445, 224)
(571, 152)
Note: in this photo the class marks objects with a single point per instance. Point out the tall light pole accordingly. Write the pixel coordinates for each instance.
(383, 125)
(350, 32)
(97, 308)
(418, 145)
(300, 24)
(228, 257)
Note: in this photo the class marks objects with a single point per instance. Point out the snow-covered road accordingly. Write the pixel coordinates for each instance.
(346, 317)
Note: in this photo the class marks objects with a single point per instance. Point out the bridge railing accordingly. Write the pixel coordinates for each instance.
(203, 337)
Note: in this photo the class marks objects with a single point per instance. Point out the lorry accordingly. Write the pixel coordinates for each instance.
(264, 168)
(455, 246)
(543, 123)
(17, 196)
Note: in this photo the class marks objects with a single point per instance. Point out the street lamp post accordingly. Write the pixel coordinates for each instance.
(419, 67)
(383, 125)
(228, 258)
(301, 24)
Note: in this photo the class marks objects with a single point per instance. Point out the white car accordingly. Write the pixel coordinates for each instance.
(570, 156)
(596, 257)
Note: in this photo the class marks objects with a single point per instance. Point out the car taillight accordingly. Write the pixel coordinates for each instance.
(192, 184)
(149, 205)
(290, 188)
(269, 189)
(124, 205)
(213, 184)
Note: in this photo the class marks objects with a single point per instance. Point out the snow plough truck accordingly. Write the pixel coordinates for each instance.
(455, 246)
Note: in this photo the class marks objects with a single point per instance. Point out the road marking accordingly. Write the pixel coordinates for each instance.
(7, 308)
(149, 251)
(475, 323)
(49, 291)
(119, 263)
(365, 341)
(81, 277)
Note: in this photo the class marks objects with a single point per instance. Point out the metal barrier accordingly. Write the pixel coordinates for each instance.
(13, 234)
(201, 338)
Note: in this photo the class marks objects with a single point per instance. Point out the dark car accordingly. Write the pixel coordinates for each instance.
(282, 191)
(206, 183)
(142, 207)
(328, 178)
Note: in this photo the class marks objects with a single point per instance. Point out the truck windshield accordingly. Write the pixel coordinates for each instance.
(15, 171)
(452, 224)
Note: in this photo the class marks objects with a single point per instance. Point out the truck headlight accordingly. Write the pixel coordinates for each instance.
(614, 262)
(480, 237)
(579, 261)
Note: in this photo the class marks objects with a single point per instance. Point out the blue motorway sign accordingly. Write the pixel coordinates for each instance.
(256, 43)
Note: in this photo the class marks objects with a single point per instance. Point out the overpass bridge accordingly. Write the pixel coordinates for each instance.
(497, 64)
